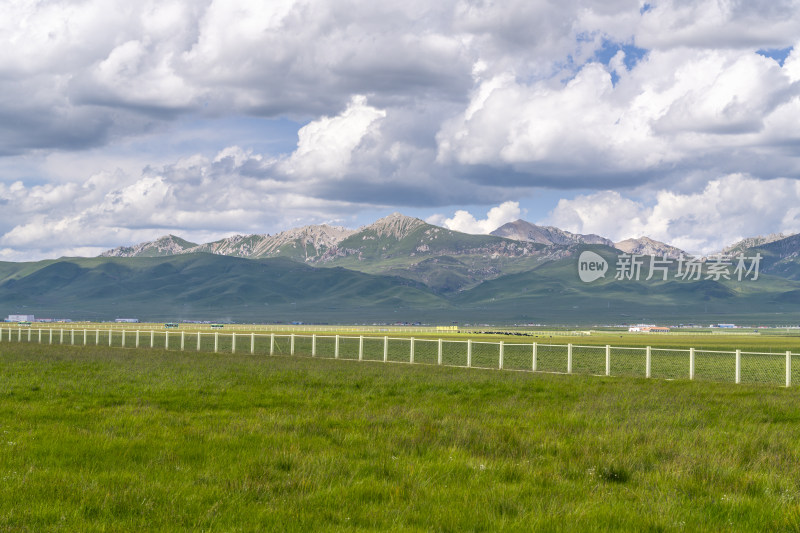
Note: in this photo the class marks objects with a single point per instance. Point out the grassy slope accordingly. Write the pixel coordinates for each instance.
(444, 260)
(780, 257)
(197, 285)
(205, 286)
(553, 293)
(99, 439)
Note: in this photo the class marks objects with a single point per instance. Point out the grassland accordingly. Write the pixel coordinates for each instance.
(102, 439)
(763, 359)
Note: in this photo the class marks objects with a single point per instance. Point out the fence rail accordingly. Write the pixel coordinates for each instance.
(647, 362)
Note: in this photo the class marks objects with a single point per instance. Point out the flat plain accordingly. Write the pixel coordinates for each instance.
(110, 439)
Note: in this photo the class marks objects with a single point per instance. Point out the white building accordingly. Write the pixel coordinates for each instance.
(20, 318)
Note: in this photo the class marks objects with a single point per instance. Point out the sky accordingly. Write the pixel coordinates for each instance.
(123, 121)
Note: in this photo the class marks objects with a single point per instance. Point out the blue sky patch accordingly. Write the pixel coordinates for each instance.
(778, 54)
(633, 54)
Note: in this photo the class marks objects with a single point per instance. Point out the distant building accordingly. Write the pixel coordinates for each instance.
(20, 318)
(648, 329)
(127, 321)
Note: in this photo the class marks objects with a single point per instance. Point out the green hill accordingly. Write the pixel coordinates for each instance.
(219, 287)
(553, 292)
(444, 260)
(780, 258)
(206, 286)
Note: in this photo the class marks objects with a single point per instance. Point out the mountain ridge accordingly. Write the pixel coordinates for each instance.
(522, 230)
(648, 246)
(203, 286)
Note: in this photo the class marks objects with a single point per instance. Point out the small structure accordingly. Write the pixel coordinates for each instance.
(127, 321)
(641, 328)
(21, 318)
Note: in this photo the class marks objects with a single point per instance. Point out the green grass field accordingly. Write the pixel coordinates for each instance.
(101, 439)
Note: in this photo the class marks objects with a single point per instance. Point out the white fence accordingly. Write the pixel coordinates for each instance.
(661, 363)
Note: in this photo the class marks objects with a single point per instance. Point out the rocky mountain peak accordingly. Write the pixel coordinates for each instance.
(752, 242)
(395, 225)
(648, 246)
(166, 245)
(521, 230)
(318, 236)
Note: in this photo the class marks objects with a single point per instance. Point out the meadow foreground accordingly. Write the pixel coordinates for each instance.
(114, 439)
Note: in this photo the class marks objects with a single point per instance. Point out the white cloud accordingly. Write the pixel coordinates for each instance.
(110, 209)
(719, 24)
(405, 103)
(326, 145)
(726, 210)
(718, 110)
(465, 222)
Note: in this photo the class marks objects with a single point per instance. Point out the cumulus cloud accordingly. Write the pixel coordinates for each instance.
(729, 24)
(412, 103)
(465, 222)
(326, 145)
(680, 108)
(724, 211)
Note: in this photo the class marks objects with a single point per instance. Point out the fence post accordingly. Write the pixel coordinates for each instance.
(738, 366)
(233, 342)
(60, 340)
(252, 343)
(500, 365)
(361, 348)
(608, 359)
(166, 340)
(72, 336)
(272, 343)
(469, 353)
(788, 368)
(336, 348)
(216, 341)
(183, 339)
(123, 338)
(439, 353)
(110, 336)
(97, 337)
(19, 334)
(51, 335)
(85, 336)
(152, 339)
(691, 363)
(385, 348)
(291, 344)
(411, 352)
(40, 335)
(648, 363)
(314, 345)
(199, 336)
(137, 338)
(533, 358)
(569, 358)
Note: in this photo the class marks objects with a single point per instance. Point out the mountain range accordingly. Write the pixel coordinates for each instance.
(397, 269)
